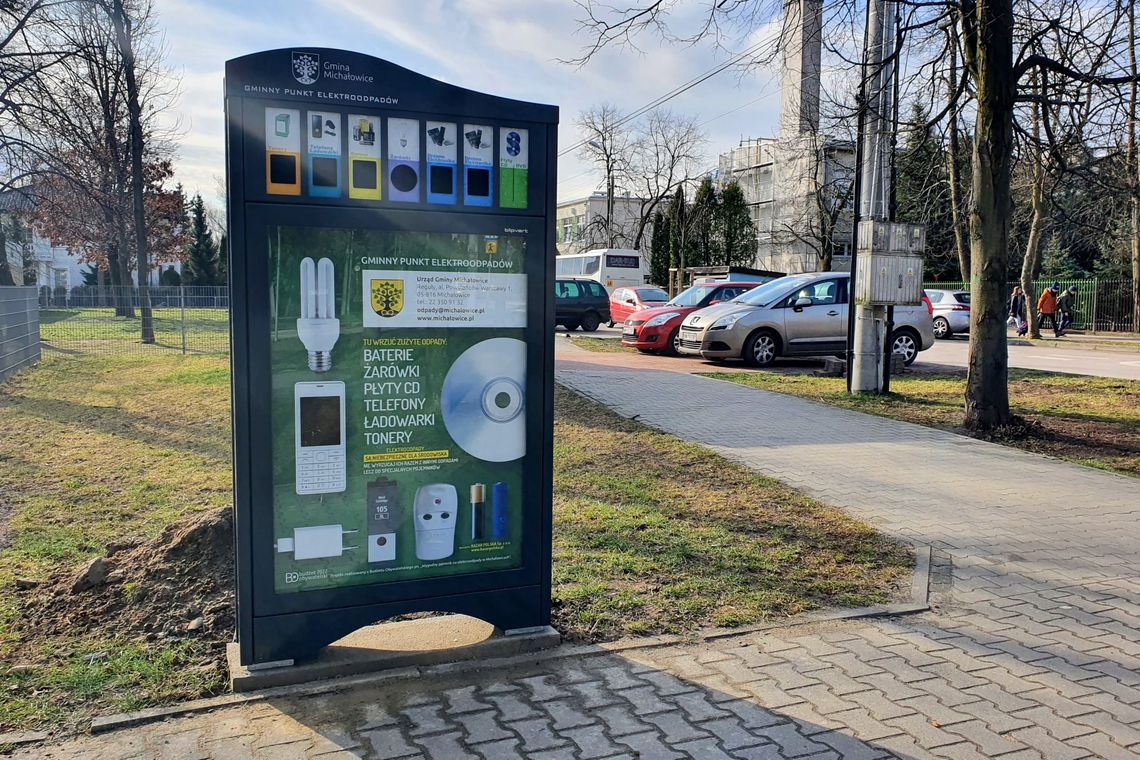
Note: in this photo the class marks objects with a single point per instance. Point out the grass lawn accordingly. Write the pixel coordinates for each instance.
(601, 345)
(1090, 420)
(207, 330)
(99, 450)
(651, 534)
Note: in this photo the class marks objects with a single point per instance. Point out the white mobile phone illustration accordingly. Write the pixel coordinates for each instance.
(320, 436)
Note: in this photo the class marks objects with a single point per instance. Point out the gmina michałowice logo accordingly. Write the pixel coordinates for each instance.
(306, 67)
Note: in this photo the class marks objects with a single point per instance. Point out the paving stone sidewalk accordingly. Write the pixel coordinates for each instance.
(1033, 650)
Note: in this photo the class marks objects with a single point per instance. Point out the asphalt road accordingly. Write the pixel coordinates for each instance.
(952, 353)
(1075, 361)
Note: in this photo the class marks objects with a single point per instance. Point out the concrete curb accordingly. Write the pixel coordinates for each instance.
(392, 646)
(21, 738)
(1109, 346)
(918, 602)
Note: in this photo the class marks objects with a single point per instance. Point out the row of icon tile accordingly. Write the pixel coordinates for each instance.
(323, 147)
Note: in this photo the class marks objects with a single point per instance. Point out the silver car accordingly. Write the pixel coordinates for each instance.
(951, 311)
(798, 315)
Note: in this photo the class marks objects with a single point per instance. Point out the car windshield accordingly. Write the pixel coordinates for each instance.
(770, 291)
(691, 296)
(963, 297)
(652, 294)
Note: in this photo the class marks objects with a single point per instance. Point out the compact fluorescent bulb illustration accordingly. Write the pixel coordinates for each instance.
(318, 328)
(435, 508)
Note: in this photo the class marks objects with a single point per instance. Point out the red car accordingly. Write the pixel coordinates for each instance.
(655, 330)
(625, 301)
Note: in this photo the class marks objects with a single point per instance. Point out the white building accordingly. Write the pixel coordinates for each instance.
(581, 224)
(52, 266)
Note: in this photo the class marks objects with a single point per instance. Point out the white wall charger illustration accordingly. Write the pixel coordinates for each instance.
(435, 509)
(318, 328)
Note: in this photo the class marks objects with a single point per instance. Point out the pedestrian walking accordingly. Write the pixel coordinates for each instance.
(1047, 306)
(1017, 310)
(1066, 304)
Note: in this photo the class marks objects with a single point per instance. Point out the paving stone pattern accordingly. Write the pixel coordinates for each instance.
(1033, 650)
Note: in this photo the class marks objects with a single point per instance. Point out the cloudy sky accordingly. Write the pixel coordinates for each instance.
(505, 47)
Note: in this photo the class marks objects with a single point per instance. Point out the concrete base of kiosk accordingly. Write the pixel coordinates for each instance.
(427, 641)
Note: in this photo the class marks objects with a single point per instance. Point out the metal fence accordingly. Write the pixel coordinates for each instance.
(191, 319)
(1102, 305)
(19, 330)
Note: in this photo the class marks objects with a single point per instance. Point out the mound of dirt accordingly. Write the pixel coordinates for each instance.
(181, 584)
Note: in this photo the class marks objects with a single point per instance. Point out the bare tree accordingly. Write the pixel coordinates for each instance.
(126, 28)
(667, 152)
(80, 143)
(952, 83)
(607, 142)
(644, 160)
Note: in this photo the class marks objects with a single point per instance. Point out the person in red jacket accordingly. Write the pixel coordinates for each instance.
(1047, 307)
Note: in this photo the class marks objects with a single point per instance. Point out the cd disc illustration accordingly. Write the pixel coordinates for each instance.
(483, 402)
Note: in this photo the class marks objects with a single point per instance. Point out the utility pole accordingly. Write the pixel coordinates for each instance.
(869, 321)
(607, 153)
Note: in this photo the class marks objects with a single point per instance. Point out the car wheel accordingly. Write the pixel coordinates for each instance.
(673, 343)
(906, 345)
(941, 328)
(761, 349)
(570, 326)
(610, 323)
(590, 321)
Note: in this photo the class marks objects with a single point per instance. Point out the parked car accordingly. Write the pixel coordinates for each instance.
(579, 302)
(655, 330)
(951, 311)
(625, 301)
(798, 315)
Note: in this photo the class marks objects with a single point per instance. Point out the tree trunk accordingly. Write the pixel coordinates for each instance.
(960, 238)
(990, 33)
(1031, 262)
(1134, 165)
(953, 154)
(5, 268)
(138, 181)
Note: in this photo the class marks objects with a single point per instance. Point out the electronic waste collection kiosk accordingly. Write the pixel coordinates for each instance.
(391, 274)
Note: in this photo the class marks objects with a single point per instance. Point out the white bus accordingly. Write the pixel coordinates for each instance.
(612, 267)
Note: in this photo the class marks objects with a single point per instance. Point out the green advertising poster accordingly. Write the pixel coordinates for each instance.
(398, 405)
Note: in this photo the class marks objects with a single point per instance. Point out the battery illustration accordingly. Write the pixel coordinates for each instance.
(383, 517)
(499, 508)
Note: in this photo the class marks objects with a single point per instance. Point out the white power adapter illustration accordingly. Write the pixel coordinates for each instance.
(435, 509)
(315, 542)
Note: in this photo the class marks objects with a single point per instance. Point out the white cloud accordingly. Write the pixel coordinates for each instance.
(506, 47)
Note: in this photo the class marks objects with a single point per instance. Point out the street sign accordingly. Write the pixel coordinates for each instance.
(392, 311)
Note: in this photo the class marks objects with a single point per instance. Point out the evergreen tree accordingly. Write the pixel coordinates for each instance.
(659, 251)
(223, 259)
(702, 221)
(1058, 262)
(169, 277)
(676, 218)
(735, 231)
(922, 193)
(90, 275)
(201, 253)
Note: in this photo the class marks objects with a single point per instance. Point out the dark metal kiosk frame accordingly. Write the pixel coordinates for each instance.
(273, 626)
